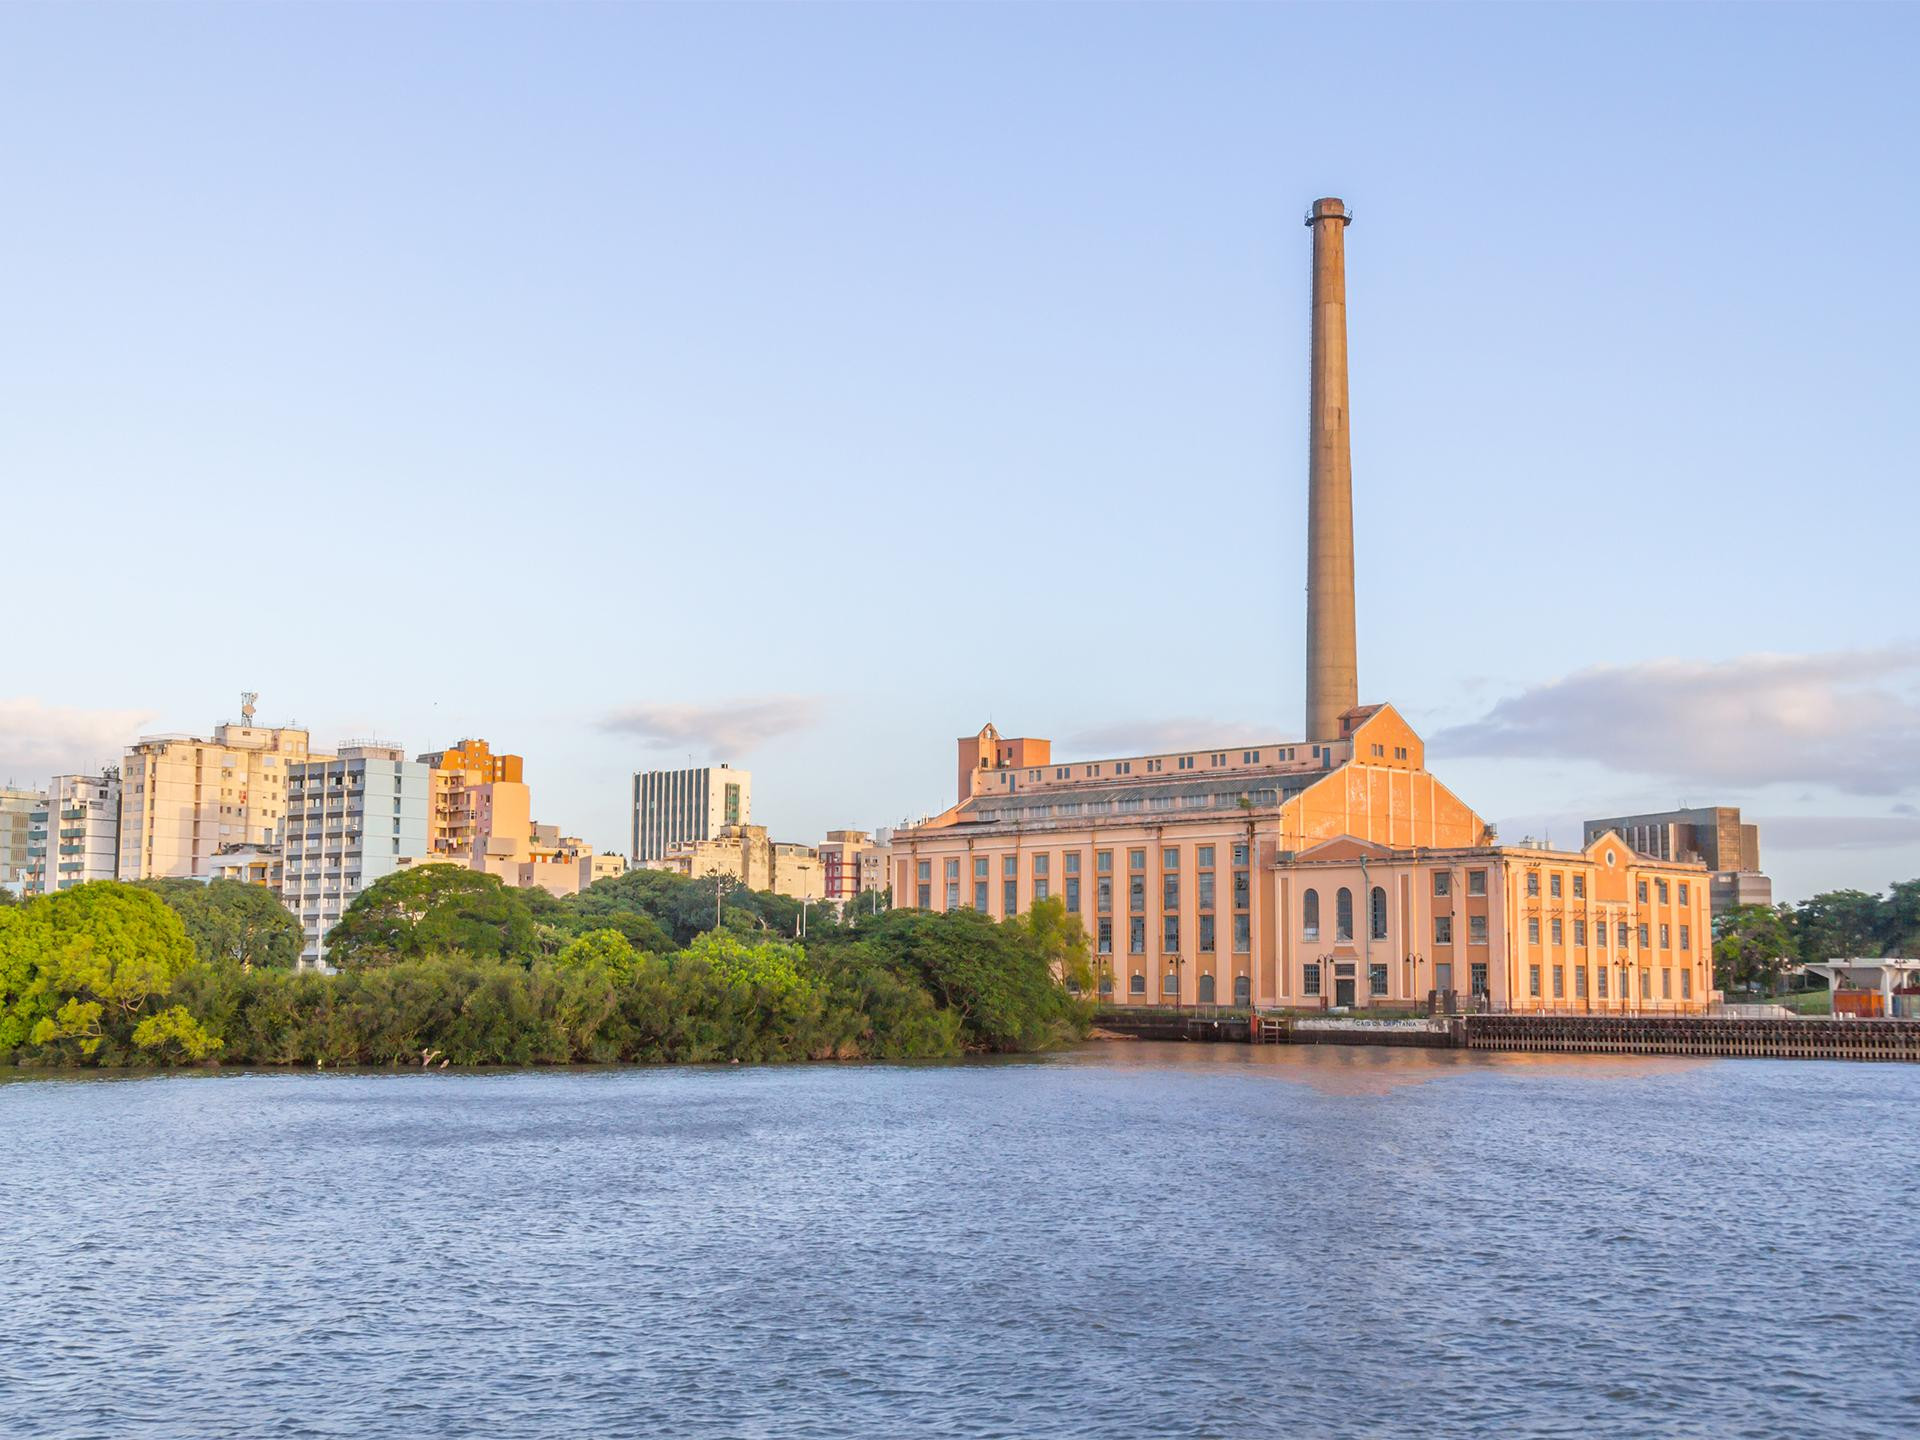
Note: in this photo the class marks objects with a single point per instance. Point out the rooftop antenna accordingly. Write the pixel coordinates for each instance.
(248, 700)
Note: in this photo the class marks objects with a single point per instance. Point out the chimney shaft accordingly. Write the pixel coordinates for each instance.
(1333, 683)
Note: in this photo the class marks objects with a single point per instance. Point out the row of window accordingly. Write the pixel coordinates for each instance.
(1558, 932)
(1600, 973)
(1170, 985)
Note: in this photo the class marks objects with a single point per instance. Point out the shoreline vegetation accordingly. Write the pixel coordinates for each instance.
(445, 966)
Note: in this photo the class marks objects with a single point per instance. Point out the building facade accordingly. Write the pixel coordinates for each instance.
(349, 821)
(673, 809)
(182, 798)
(1307, 875)
(18, 806)
(75, 835)
(458, 772)
(852, 863)
(745, 853)
(1711, 834)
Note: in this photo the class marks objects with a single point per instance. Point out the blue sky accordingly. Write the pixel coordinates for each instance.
(621, 382)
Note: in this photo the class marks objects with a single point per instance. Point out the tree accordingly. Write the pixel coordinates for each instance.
(1752, 946)
(1838, 923)
(229, 920)
(435, 909)
(607, 950)
(97, 959)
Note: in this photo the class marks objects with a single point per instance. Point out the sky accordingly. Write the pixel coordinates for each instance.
(804, 386)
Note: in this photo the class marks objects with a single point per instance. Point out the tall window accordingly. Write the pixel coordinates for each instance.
(1010, 897)
(1479, 973)
(1169, 892)
(1553, 886)
(1476, 929)
(1310, 978)
(1137, 935)
(1533, 882)
(1377, 916)
(1106, 937)
(1170, 935)
(1242, 934)
(1103, 895)
(980, 896)
(1442, 883)
(1137, 894)
(1206, 934)
(1310, 914)
(1205, 882)
(1443, 929)
(1073, 893)
(1476, 882)
(1377, 979)
(1343, 914)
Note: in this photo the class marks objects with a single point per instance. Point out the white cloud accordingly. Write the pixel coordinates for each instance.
(728, 728)
(38, 741)
(1848, 720)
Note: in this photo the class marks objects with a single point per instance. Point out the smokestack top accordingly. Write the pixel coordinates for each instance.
(1329, 209)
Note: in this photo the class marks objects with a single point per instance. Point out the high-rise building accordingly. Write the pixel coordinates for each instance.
(17, 809)
(458, 772)
(852, 863)
(677, 808)
(482, 817)
(182, 798)
(1714, 835)
(349, 821)
(76, 833)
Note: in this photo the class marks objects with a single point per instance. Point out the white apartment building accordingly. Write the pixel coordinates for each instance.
(17, 809)
(673, 809)
(349, 821)
(75, 834)
(183, 798)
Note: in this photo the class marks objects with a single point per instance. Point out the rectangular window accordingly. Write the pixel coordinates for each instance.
(953, 895)
(1239, 854)
(1009, 897)
(1073, 862)
(1533, 929)
(1579, 982)
(1206, 934)
(1686, 937)
(1170, 935)
(1683, 892)
(1600, 982)
(1103, 896)
(1553, 886)
(926, 897)
(1579, 887)
(1040, 864)
(1203, 857)
(1533, 979)
(1646, 985)
(1170, 892)
(1106, 937)
(1580, 933)
(1559, 982)
(1442, 883)
(1640, 890)
(1660, 889)
(1103, 861)
(1666, 937)
(1170, 857)
(980, 896)
(979, 867)
(1643, 937)
(1479, 977)
(1136, 860)
(1205, 883)
(1558, 931)
(1242, 935)
(1533, 883)
(1009, 866)
(1137, 936)
(1377, 979)
(1443, 929)
(1310, 978)
(1240, 890)
(1073, 893)
(1686, 984)
(953, 870)
(1621, 934)
(924, 871)
(1137, 895)
(1666, 984)
(1476, 882)
(1476, 929)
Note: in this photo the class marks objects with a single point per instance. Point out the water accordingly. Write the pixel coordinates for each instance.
(1129, 1240)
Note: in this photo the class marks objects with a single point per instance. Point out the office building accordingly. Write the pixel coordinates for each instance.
(677, 808)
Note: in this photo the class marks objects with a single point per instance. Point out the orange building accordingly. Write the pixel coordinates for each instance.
(1302, 874)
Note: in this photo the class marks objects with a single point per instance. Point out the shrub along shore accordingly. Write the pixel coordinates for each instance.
(444, 966)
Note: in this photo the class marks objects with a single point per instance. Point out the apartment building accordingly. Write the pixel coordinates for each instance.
(677, 808)
(75, 833)
(458, 772)
(182, 798)
(746, 854)
(852, 863)
(350, 820)
(17, 809)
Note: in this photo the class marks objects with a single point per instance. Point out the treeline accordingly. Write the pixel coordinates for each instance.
(444, 966)
(1755, 945)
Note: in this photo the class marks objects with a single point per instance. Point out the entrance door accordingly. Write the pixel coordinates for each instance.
(1343, 992)
(1443, 976)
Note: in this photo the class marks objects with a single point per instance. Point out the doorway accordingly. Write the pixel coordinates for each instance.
(1343, 991)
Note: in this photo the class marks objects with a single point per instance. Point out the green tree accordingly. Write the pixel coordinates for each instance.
(103, 955)
(606, 950)
(1839, 923)
(229, 920)
(1060, 940)
(1900, 919)
(435, 909)
(1752, 946)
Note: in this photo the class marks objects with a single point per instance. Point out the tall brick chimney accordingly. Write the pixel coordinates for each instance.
(1333, 682)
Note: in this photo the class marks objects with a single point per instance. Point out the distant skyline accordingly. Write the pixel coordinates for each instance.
(593, 379)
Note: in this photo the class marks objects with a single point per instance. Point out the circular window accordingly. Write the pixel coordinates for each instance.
(1609, 857)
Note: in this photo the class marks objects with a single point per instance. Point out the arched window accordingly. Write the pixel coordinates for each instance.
(1343, 914)
(1242, 990)
(1206, 989)
(1310, 915)
(1137, 985)
(1170, 985)
(1378, 905)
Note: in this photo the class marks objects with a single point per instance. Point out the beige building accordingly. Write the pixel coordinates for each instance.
(183, 798)
(250, 865)
(481, 816)
(744, 853)
(852, 863)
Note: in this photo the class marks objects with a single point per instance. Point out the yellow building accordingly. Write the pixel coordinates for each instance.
(480, 815)
(182, 798)
(744, 853)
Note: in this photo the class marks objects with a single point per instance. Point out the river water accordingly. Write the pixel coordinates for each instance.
(1129, 1239)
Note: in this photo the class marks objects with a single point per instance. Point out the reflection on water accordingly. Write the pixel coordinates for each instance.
(1127, 1239)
